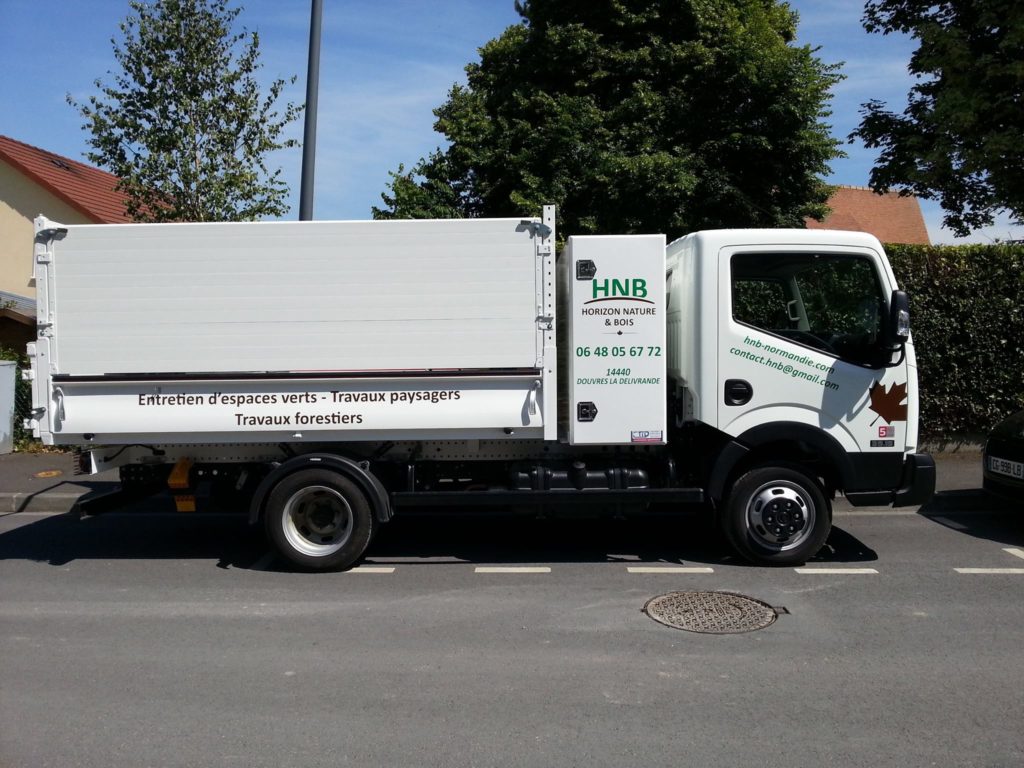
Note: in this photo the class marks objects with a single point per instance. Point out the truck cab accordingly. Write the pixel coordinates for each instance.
(791, 349)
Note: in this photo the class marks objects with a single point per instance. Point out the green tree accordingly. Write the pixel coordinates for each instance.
(633, 116)
(960, 139)
(185, 124)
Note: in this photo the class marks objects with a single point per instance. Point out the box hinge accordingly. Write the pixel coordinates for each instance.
(537, 229)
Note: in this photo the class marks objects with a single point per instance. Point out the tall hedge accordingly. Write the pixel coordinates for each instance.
(967, 316)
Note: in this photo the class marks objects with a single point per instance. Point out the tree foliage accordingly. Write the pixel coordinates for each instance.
(633, 116)
(960, 139)
(185, 124)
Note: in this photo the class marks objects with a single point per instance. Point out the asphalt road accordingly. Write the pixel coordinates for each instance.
(161, 640)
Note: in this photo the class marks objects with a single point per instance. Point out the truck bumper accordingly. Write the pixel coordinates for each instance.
(916, 487)
(918, 484)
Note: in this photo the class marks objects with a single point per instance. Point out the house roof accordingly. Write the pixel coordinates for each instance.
(890, 217)
(17, 307)
(86, 189)
(17, 302)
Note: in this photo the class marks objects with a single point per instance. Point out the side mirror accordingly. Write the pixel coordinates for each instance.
(897, 331)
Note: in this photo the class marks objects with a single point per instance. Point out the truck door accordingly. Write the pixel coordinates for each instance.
(801, 346)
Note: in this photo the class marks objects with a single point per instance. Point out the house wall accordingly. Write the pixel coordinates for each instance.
(21, 200)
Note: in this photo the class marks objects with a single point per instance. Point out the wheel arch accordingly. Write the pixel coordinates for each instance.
(789, 442)
(356, 471)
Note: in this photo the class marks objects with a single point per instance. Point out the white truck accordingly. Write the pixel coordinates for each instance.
(331, 374)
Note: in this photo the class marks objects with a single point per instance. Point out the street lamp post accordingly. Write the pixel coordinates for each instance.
(309, 136)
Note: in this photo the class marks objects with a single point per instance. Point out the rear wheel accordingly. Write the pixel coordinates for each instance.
(776, 515)
(319, 520)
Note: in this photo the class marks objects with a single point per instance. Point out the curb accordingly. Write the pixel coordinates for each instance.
(50, 500)
(52, 503)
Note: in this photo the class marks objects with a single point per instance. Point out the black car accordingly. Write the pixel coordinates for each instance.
(1004, 459)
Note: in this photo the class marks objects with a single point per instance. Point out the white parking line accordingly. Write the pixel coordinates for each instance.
(837, 571)
(668, 569)
(371, 569)
(990, 570)
(1015, 552)
(513, 569)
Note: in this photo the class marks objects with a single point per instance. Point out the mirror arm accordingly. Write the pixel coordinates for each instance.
(899, 361)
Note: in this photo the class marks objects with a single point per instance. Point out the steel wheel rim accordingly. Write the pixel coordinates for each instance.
(781, 515)
(317, 521)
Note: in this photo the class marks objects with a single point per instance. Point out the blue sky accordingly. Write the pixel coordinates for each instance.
(385, 65)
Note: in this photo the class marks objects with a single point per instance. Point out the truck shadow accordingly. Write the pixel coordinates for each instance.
(682, 540)
(498, 539)
(228, 541)
(58, 540)
(844, 547)
(974, 513)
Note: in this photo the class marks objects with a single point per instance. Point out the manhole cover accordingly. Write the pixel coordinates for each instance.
(717, 613)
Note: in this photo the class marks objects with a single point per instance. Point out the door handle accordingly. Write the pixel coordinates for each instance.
(738, 392)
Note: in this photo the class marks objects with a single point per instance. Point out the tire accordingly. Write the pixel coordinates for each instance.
(319, 520)
(776, 515)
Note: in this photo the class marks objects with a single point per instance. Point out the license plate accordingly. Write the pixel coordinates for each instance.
(1006, 467)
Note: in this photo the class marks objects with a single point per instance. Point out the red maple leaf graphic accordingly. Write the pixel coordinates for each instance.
(887, 403)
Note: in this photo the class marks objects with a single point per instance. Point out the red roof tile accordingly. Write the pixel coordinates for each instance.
(889, 217)
(81, 186)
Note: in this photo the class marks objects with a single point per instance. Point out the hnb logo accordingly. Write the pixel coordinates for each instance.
(629, 287)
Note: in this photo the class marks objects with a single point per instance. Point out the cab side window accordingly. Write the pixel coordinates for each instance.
(830, 303)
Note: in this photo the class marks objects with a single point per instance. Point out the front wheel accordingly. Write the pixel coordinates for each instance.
(319, 520)
(776, 515)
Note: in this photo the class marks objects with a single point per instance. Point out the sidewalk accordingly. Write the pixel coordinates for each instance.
(47, 483)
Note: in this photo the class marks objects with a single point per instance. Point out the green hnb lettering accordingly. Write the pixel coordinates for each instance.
(635, 287)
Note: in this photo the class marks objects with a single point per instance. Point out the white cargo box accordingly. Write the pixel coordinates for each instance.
(293, 296)
(614, 288)
(287, 330)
